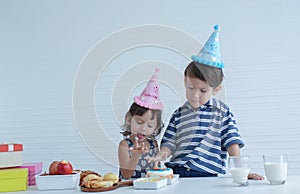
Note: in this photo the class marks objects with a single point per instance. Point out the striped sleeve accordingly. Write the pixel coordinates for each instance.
(230, 134)
(169, 138)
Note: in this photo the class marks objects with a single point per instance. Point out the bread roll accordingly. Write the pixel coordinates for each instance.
(111, 177)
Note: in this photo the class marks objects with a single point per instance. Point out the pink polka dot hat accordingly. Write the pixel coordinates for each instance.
(149, 98)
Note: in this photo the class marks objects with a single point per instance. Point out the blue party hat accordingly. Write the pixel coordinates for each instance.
(210, 53)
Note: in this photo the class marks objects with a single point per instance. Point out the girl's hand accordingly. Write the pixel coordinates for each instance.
(138, 149)
(255, 176)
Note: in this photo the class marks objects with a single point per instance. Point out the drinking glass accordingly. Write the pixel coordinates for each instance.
(275, 168)
(239, 167)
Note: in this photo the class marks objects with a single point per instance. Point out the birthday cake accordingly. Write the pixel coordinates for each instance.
(161, 173)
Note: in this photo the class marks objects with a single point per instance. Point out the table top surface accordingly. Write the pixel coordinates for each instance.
(199, 185)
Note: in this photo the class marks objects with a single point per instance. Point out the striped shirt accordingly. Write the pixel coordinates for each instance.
(199, 138)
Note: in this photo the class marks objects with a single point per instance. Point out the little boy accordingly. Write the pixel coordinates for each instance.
(203, 130)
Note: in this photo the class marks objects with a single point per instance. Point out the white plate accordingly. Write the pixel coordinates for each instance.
(149, 183)
(174, 179)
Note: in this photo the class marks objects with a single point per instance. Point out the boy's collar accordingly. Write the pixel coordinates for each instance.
(211, 102)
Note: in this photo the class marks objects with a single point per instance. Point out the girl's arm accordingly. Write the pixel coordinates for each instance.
(128, 163)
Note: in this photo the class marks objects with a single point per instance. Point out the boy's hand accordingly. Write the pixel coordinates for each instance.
(159, 157)
(255, 176)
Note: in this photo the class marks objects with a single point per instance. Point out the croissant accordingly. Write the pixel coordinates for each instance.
(90, 178)
(85, 173)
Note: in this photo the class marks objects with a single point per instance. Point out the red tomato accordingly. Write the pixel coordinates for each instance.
(64, 167)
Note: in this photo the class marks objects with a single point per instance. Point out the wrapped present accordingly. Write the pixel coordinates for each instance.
(11, 155)
(34, 168)
(13, 147)
(13, 179)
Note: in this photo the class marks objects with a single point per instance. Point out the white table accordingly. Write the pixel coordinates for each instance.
(216, 185)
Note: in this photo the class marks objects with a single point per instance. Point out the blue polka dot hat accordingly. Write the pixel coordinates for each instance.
(210, 53)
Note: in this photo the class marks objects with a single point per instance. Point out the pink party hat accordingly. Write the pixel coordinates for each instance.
(210, 53)
(149, 98)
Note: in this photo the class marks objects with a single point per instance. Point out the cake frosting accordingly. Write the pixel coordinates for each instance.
(165, 173)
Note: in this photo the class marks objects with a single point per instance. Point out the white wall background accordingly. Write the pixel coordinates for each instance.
(45, 44)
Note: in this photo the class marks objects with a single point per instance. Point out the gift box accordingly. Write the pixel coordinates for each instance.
(11, 155)
(13, 179)
(34, 168)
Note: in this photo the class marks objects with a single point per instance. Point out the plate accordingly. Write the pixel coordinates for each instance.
(102, 189)
(174, 179)
(150, 183)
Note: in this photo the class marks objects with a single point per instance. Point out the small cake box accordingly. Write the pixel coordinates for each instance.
(34, 168)
(13, 179)
(11, 155)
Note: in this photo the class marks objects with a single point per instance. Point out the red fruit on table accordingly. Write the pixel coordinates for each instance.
(53, 167)
(64, 167)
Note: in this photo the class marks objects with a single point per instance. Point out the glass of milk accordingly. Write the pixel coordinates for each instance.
(239, 167)
(275, 168)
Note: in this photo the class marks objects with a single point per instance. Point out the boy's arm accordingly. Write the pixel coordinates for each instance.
(165, 151)
(234, 150)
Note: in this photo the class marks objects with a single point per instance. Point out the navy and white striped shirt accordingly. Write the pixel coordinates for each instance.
(199, 138)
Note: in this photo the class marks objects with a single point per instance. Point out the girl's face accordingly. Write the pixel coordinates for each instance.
(198, 92)
(143, 126)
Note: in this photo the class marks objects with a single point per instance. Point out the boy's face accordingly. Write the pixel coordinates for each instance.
(198, 92)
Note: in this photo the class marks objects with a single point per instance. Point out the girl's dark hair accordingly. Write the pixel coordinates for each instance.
(212, 75)
(136, 109)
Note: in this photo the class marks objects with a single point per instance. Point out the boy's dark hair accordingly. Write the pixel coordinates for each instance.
(136, 109)
(212, 75)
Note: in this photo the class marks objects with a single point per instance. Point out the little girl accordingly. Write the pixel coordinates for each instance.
(143, 123)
